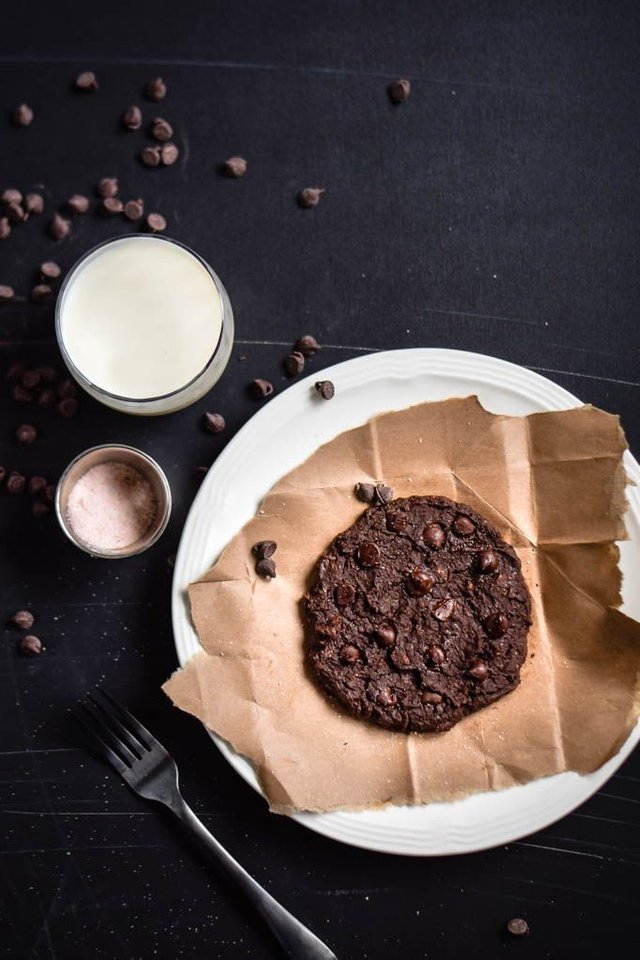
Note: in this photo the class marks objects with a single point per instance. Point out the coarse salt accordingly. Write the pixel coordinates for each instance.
(111, 506)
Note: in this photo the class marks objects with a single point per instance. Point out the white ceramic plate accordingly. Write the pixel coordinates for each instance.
(283, 434)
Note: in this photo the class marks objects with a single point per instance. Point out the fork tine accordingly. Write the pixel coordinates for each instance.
(107, 733)
(141, 733)
(111, 720)
(97, 740)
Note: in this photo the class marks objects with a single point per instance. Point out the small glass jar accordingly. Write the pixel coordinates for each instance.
(205, 367)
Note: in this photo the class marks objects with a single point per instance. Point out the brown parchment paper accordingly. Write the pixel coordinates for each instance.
(553, 484)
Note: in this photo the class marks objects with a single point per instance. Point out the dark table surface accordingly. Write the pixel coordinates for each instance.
(496, 211)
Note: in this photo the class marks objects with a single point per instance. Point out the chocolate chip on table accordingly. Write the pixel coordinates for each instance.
(235, 167)
(478, 669)
(36, 486)
(15, 371)
(307, 345)
(108, 187)
(214, 422)
(16, 482)
(434, 536)
(463, 526)
(41, 293)
(400, 90)
(78, 203)
(26, 433)
(49, 494)
(5, 228)
(384, 494)
(368, 554)
(30, 379)
(68, 407)
(365, 492)
(23, 619)
(294, 363)
(86, 80)
(496, 625)
(151, 156)
(169, 153)
(161, 130)
(22, 115)
(134, 209)
(264, 549)
(326, 389)
(15, 213)
(261, 389)
(30, 646)
(6, 293)
(11, 195)
(156, 223)
(59, 227)
(310, 197)
(488, 561)
(50, 271)
(39, 509)
(111, 206)
(386, 634)
(344, 594)
(132, 118)
(266, 568)
(21, 395)
(518, 927)
(33, 203)
(156, 89)
(67, 388)
(47, 374)
(47, 398)
(419, 582)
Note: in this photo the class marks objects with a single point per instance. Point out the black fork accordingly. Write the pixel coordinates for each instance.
(145, 765)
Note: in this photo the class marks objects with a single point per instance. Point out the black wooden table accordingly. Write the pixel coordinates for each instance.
(496, 211)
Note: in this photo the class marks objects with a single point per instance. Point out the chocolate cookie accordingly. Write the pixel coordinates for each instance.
(419, 615)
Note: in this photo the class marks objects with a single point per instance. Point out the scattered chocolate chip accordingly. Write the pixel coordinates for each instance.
(307, 345)
(479, 670)
(445, 609)
(47, 398)
(15, 371)
(518, 927)
(50, 494)
(15, 213)
(344, 594)
(23, 619)
(365, 492)
(214, 422)
(156, 89)
(419, 582)
(264, 549)
(156, 223)
(11, 195)
(350, 654)
(50, 270)
(108, 187)
(496, 625)
(310, 197)
(111, 206)
(39, 509)
(6, 293)
(386, 697)
(326, 389)
(161, 130)
(78, 203)
(47, 374)
(5, 228)
(134, 209)
(463, 526)
(132, 118)
(59, 227)
(434, 536)
(386, 634)
(67, 388)
(488, 561)
(30, 379)
(30, 646)
(68, 407)
(26, 433)
(261, 389)
(41, 293)
(437, 655)
(384, 494)
(36, 486)
(151, 156)
(294, 363)
(86, 80)
(235, 167)
(368, 554)
(16, 482)
(169, 153)
(400, 90)
(22, 115)
(20, 395)
(431, 697)
(33, 203)
(266, 568)
(397, 522)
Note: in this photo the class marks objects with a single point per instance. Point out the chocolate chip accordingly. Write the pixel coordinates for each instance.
(420, 582)
(161, 130)
(22, 115)
(108, 187)
(156, 89)
(41, 293)
(39, 509)
(213, 422)
(266, 568)
(59, 227)
(156, 223)
(261, 389)
(384, 494)
(30, 646)
(68, 407)
(67, 388)
(20, 395)
(151, 156)
(169, 153)
(36, 486)
(264, 549)
(78, 203)
(26, 433)
(326, 389)
(47, 398)
(344, 594)
(496, 625)
(5, 228)
(386, 697)
(30, 379)
(33, 203)
(350, 654)
(445, 609)
(111, 206)
(235, 167)
(437, 655)
(50, 494)
(518, 927)
(50, 270)
(11, 195)
(365, 492)
(293, 363)
(429, 696)
(47, 374)
(16, 482)
(434, 536)
(307, 345)
(400, 90)
(6, 293)
(134, 209)
(386, 634)
(397, 522)
(463, 526)
(368, 554)
(310, 197)
(132, 118)
(15, 371)
(479, 670)
(86, 80)
(15, 213)
(488, 561)
(23, 619)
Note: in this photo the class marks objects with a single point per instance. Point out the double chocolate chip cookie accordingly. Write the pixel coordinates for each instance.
(418, 615)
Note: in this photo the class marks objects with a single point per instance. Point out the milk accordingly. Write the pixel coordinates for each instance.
(141, 317)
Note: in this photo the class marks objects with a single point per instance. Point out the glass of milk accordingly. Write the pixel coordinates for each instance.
(144, 324)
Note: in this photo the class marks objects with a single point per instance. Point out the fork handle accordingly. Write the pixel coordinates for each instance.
(297, 941)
